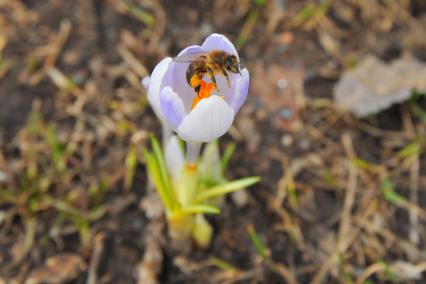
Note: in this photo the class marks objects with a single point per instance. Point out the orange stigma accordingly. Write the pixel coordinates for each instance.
(206, 90)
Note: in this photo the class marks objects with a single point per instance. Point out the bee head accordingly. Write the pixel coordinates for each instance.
(231, 64)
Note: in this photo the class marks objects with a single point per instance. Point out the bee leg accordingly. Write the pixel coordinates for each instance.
(212, 77)
(227, 77)
(197, 90)
(197, 98)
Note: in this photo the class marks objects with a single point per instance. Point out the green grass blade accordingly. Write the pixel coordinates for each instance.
(140, 14)
(225, 266)
(416, 107)
(57, 149)
(411, 150)
(226, 188)
(227, 156)
(201, 209)
(257, 241)
(7, 196)
(130, 163)
(388, 191)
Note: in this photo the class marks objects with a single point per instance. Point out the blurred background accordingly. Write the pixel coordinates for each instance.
(335, 124)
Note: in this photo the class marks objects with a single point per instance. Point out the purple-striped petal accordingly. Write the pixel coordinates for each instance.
(154, 85)
(172, 107)
(241, 90)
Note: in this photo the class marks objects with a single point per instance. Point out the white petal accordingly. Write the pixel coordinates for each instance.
(154, 85)
(175, 158)
(210, 119)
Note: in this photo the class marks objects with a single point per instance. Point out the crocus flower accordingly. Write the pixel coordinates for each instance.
(172, 98)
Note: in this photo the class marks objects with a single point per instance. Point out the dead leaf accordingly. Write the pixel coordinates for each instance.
(374, 85)
(405, 271)
(58, 269)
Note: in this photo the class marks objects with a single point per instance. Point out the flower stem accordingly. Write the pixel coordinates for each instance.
(193, 152)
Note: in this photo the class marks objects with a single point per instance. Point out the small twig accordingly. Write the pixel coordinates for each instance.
(63, 82)
(96, 257)
(345, 224)
(414, 181)
(30, 230)
(376, 267)
(52, 51)
(372, 228)
(345, 234)
(160, 25)
(284, 272)
(414, 188)
(132, 61)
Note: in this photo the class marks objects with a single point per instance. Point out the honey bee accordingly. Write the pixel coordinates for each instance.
(208, 63)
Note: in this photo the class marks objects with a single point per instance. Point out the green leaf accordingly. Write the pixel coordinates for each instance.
(154, 173)
(159, 172)
(161, 165)
(200, 209)
(226, 188)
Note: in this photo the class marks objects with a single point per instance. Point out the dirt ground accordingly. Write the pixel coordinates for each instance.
(342, 199)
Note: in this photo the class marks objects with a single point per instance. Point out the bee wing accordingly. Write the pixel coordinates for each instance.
(190, 57)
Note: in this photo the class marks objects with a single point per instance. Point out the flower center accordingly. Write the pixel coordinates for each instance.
(205, 91)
